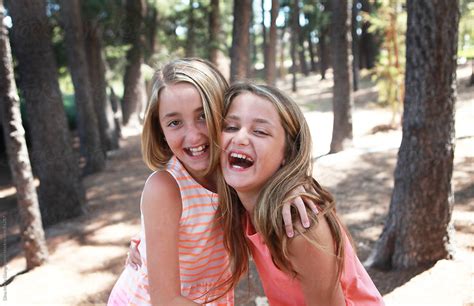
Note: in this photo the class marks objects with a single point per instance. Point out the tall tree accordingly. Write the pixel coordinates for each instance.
(134, 84)
(270, 65)
(294, 22)
(214, 32)
(341, 63)
(88, 126)
(301, 39)
(239, 52)
(31, 227)
(191, 36)
(109, 132)
(368, 43)
(418, 227)
(61, 193)
(323, 22)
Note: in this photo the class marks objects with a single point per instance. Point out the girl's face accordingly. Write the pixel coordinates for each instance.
(184, 126)
(253, 139)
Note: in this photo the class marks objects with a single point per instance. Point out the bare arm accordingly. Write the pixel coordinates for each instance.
(161, 208)
(316, 268)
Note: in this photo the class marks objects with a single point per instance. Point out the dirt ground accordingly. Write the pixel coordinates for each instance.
(87, 253)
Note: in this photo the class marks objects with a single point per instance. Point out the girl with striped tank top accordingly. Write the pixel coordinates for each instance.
(183, 258)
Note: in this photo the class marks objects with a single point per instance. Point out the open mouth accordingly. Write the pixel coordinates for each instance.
(196, 151)
(240, 161)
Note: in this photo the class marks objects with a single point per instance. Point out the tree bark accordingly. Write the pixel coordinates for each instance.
(270, 66)
(323, 53)
(215, 33)
(31, 228)
(61, 193)
(88, 126)
(239, 52)
(109, 134)
(418, 230)
(134, 84)
(341, 63)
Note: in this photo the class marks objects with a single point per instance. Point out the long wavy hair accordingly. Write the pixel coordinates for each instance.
(211, 86)
(267, 215)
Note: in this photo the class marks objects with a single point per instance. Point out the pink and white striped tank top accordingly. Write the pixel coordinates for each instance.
(203, 260)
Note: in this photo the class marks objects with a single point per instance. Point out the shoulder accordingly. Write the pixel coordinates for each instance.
(320, 234)
(160, 189)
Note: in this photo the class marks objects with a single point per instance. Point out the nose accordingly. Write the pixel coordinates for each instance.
(195, 134)
(241, 138)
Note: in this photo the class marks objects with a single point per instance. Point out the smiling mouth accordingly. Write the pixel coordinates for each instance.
(196, 151)
(240, 161)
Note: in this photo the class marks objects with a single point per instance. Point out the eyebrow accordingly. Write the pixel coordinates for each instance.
(257, 120)
(174, 114)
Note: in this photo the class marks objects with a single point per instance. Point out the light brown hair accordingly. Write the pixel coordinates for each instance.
(267, 215)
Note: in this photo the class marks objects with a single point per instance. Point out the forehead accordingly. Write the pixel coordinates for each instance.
(251, 106)
(179, 97)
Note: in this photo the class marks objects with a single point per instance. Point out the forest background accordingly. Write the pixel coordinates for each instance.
(73, 87)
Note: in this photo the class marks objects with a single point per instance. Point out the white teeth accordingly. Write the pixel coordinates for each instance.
(241, 156)
(197, 150)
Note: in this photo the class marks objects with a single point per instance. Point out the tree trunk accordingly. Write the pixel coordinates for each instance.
(215, 33)
(151, 30)
(88, 126)
(270, 66)
(61, 194)
(355, 46)
(294, 42)
(341, 63)
(239, 52)
(191, 34)
(323, 53)
(367, 43)
(31, 228)
(418, 228)
(300, 39)
(108, 131)
(134, 85)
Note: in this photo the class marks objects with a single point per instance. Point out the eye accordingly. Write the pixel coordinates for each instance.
(202, 116)
(260, 132)
(174, 123)
(230, 128)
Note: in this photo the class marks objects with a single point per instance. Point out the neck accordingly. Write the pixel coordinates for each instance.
(249, 200)
(209, 182)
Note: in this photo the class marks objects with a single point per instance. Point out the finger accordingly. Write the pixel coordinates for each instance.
(286, 212)
(312, 206)
(299, 204)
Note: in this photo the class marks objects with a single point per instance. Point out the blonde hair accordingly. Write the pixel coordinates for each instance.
(211, 86)
(267, 215)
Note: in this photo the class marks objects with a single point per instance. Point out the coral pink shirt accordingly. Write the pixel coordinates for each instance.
(283, 290)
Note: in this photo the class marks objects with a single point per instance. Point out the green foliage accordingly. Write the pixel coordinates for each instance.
(466, 30)
(389, 20)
